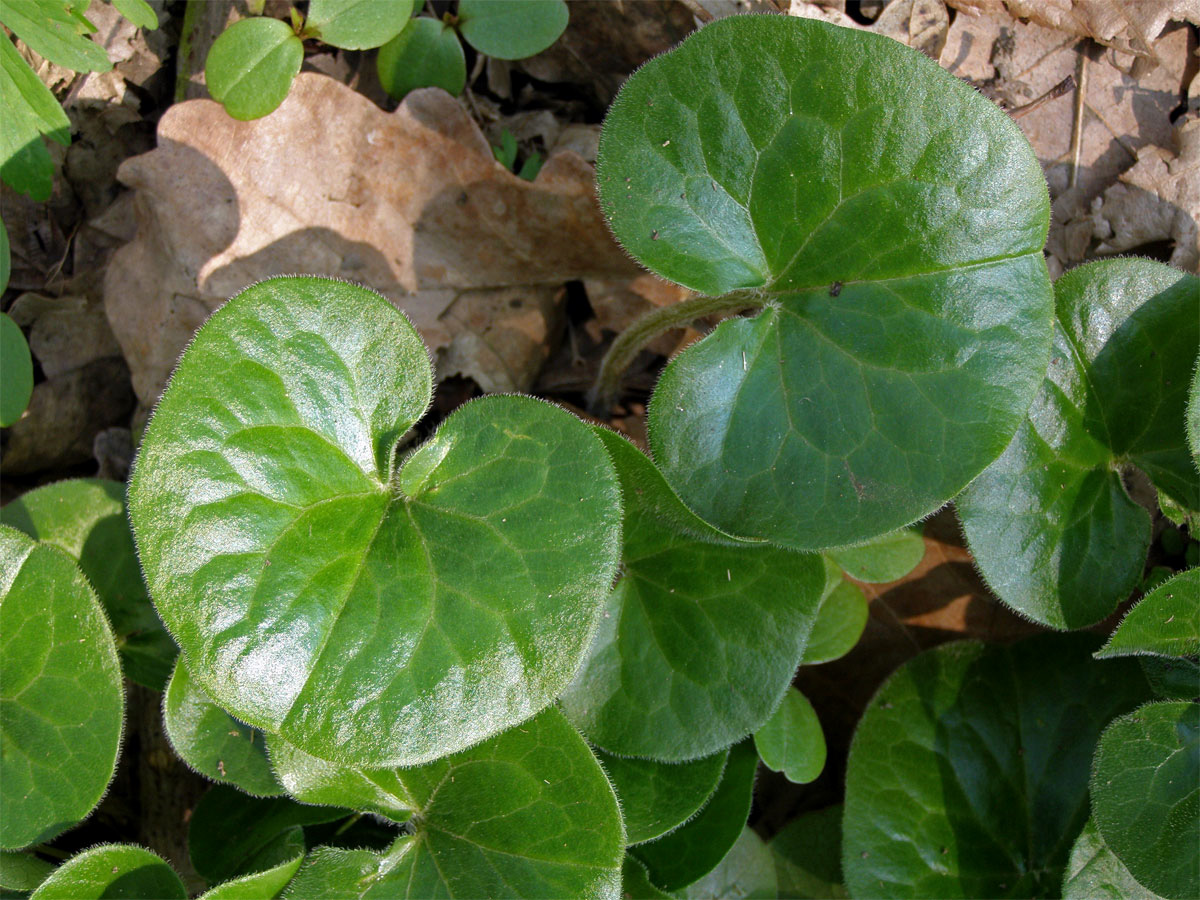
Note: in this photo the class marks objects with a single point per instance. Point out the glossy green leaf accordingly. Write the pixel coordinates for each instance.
(139, 12)
(22, 871)
(50, 30)
(266, 831)
(312, 780)
(1146, 795)
(61, 698)
(112, 870)
(1095, 873)
(425, 54)
(841, 618)
(689, 853)
(635, 882)
(1166, 622)
(16, 371)
(884, 559)
(264, 885)
(213, 742)
(748, 870)
(528, 814)
(890, 219)
(1050, 524)
(369, 613)
(808, 856)
(357, 24)
(512, 29)
(86, 517)
(791, 741)
(979, 755)
(658, 797)
(701, 636)
(250, 67)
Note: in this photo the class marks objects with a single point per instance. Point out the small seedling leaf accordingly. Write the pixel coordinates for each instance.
(512, 29)
(884, 559)
(49, 29)
(16, 371)
(358, 24)
(139, 12)
(250, 67)
(61, 697)
(792, 741)
(841, 617)
(425, 54)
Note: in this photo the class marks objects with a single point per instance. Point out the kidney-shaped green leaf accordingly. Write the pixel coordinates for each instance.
(841, 619)
(791, 741)
(86, 517)
(425, 54)
(213, 742)
(889, 218)
(250, 67)
(528, 813)
(381, 792)
(979, 757)
(112, 870)
(1050, 524)
(358, 24)
(512, 29)
(700, 638)
(368, 613)
(1095, 873)
(658, 797)
(1166, 622)
(61, 698)
(22, 871)
(1146, 795)
(883, 559)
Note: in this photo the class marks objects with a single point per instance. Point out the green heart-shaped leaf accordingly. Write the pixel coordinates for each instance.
(791, 741)
(112, 870)
(425, 54)
(689, 853)
(370, 614)
(139, 12)
(658, 797)
(512, 29)
(979, 756)
(86, 517)
(808, 856)
(528, 813)
(701, 636)
(884, 559)
(1166, 622)
(889, 218)
(1095, 873)
(1050, 524)
(635, 882)
(1146, 795)
(841, 618)
(268, 832)
(61, 697)
(213, 742)
(250, 67)
(357, 24)
(311, 780)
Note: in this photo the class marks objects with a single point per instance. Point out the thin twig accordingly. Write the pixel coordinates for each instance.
(1081, 71)
(1054, 93)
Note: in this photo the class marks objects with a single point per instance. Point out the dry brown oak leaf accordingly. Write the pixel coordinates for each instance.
(410, 203)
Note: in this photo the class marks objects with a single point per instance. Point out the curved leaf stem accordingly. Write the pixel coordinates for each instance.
(633, 339)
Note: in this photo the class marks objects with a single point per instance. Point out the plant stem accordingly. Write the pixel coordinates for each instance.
(631, 341)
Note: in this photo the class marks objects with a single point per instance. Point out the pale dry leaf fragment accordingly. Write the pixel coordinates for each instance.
(920, 24)
(410, 203)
